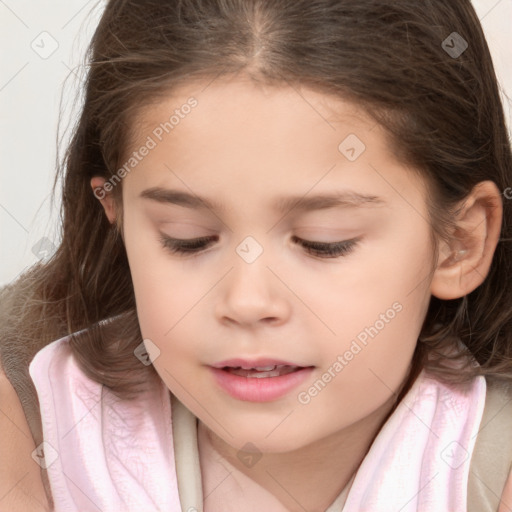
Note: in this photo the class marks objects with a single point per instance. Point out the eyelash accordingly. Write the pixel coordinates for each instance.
(319, 249)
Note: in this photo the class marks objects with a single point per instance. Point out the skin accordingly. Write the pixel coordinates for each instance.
(245, 146)
(21, 486)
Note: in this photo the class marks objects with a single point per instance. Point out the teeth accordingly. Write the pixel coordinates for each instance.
(263, 372)
(263, 375)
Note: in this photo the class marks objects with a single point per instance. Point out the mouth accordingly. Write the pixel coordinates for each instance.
(261, 380)
(262, 372)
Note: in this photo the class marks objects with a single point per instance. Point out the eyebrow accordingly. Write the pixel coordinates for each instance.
(342, 199)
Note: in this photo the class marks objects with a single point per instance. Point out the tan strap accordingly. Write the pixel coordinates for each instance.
(186, 456)
(491, 462)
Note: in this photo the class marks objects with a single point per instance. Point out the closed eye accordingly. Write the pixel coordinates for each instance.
(325, 249)
(194, 246)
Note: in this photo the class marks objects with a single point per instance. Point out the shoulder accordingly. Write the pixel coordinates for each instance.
(21, 484)
(500, 398)
(490, 476)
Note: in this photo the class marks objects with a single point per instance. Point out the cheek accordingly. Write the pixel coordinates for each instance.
(377, 315)
(159, 287)
(163, 300)
(369, 287)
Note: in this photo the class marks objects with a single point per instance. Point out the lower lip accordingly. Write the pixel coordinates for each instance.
(253, 389)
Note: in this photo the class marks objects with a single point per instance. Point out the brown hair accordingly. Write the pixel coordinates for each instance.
(442, 111)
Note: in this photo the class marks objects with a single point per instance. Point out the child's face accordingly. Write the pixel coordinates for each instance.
(255, 292)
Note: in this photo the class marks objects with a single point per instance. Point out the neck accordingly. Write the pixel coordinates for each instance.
(309, 478)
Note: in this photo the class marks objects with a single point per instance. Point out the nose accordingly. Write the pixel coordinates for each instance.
(252, 294)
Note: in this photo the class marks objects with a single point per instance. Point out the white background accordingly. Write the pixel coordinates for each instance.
(30, 94)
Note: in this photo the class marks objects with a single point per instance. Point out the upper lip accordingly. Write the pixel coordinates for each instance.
(253, 363)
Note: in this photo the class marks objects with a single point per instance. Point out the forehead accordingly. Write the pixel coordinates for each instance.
(242, 139)
(224, 105)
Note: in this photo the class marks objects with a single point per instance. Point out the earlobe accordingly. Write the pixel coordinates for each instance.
(464, 262)
(105, 198)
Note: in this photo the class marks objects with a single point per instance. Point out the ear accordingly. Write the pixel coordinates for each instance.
(105, 198)
(463, 263)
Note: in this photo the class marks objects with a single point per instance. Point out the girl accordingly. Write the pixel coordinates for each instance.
(284, 281)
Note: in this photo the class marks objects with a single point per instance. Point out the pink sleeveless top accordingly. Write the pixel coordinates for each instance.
(104, 454)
